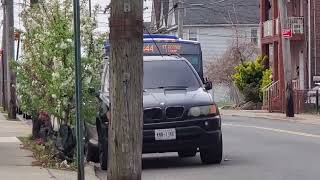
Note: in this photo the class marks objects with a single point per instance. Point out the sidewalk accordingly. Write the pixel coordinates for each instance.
(15, 163)
(303, 118)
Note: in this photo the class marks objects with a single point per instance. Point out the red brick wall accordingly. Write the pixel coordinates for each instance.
(317, 34)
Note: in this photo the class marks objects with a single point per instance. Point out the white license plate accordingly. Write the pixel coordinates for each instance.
(165, 134)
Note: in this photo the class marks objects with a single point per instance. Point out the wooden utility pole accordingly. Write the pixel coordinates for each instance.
(180, 18)
(12, 111)
(309, 26)
(286, 51)
(4, 60)
(126, 88)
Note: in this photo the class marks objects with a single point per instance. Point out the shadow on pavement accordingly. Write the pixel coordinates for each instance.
(156, 161)
(165, 161)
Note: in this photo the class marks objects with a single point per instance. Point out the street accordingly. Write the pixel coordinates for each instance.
(253, 149)
(89, 85)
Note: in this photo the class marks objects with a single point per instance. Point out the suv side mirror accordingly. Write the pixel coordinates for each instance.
(208, 85)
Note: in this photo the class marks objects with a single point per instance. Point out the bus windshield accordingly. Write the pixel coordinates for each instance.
(190, 51)
(163, 46)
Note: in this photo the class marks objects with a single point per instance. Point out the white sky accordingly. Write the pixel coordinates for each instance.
(103, 24)
(103, 19)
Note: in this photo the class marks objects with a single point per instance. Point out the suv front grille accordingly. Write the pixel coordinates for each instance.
(174, 112)
(152, 115)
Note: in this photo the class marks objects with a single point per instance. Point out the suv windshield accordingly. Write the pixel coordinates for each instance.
(167, 74)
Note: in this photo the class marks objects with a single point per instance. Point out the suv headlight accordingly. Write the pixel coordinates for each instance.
(202, 110)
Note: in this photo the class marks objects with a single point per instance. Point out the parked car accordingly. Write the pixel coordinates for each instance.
(179, 113)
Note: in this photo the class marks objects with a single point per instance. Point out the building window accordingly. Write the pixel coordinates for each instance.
(193, 34)
(254, 36)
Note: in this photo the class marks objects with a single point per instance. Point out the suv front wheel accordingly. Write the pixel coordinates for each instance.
(212, 154)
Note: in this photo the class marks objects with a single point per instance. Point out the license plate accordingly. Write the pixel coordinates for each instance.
(165, 134)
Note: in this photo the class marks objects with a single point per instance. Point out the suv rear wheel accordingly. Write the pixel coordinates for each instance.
(212, 154)
(103, 156)
(103, 146)
(187, 153)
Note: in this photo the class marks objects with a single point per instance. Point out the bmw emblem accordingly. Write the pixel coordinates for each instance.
(162, 104)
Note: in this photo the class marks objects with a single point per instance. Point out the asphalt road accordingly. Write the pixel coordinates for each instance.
(254, 149)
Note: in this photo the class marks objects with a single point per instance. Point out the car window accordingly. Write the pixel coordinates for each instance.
(169, 74)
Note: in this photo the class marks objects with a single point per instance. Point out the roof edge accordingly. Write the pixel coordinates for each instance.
(220, 25)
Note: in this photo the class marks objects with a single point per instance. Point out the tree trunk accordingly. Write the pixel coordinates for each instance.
(4, 62)
(12, 110)
(126, 78)
(36, 125)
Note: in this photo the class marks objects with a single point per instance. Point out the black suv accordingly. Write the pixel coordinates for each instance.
(179, 113)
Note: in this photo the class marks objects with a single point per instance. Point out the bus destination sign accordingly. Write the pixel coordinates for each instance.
(164, 48)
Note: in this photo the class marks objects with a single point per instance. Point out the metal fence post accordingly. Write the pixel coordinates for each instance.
(317, 101)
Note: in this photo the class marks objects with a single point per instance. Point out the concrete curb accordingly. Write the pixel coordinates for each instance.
(262, 117)
(315, 120)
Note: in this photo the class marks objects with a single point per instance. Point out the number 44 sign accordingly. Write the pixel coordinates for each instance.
(287, 33)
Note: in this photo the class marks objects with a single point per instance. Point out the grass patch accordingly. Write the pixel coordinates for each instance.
(45, 154)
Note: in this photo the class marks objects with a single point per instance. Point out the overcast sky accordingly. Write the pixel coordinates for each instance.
(103, 24)
(102, 18)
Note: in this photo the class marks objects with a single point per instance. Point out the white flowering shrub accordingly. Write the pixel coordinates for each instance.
(45, 73)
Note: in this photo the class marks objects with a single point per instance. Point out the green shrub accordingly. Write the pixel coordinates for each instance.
(45, 72)
(249, 78)
(266, 78)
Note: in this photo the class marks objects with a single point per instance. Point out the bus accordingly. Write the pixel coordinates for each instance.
(160, 44)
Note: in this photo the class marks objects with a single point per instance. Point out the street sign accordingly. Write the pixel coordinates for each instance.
(287, 33)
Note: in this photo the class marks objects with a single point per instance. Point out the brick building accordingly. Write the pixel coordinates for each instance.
(304, 22)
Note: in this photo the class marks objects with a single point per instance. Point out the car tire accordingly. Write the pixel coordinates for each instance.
(187, 153)
(212, 154)
(91, 152)
(103, 147)
(103, 156)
